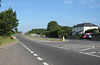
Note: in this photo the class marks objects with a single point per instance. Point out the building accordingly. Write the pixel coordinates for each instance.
(81, 28)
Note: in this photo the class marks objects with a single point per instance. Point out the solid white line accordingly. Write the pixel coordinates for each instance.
(90, 54)
(85, 49)
(45, 63)
(35, 54)
(39, 58)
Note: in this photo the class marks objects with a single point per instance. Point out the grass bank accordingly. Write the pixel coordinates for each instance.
(6, 40)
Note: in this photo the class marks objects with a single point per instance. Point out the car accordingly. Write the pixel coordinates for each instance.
(87, 36)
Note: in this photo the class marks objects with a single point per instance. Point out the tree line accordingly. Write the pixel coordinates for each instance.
(53, 30)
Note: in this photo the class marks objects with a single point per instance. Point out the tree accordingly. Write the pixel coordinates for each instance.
(55, 30)
(53, 25)
(94, 31)
(8, 22)
(38, 31)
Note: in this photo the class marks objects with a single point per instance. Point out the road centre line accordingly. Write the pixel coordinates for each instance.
(31, 52)
(45, 63)
(24, 45)
(39, 58)
(35, 54)
(27, 48)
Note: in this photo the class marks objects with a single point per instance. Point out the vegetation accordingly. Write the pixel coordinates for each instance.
(53, 30)
(6, 40)
(48, 39)
(0, 3)
(94, 31)
(8, 25)
(8, 22)
(38, 31)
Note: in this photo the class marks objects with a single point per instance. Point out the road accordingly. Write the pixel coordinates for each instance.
(16, 54)
(51, 55)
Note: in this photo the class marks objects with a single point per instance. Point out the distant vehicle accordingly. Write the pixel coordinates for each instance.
(87, 36)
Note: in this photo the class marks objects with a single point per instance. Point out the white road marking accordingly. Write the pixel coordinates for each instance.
(35, 54)
(31, 52)
(90, 54)
(85, 49)
(93, 47)
(98, 52)
(39, 58)
(24, 45)
(45, 63)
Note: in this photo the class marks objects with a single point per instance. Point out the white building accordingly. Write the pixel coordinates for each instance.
(81, 28)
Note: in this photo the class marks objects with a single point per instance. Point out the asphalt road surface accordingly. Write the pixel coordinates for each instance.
(16, 54)
(52, 55)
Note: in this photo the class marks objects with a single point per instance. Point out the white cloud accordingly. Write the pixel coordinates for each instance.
(90, 3)
(86, 3)
(68, 2)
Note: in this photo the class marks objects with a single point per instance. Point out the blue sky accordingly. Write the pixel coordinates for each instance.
(37, 13)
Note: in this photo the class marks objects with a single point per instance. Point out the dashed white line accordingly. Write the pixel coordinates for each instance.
(98, 52)
(35, 54)
(45, 63)
(31, 52)
(39, 58)
(24, 45)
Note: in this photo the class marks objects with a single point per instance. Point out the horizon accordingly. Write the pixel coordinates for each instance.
(37, 14)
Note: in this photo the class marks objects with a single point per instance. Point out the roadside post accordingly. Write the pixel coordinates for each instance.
(63, 39)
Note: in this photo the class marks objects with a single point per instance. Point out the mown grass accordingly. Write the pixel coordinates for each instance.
(48, 39)
(6, 40)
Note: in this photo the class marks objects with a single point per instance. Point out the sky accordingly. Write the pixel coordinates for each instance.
(38, 13)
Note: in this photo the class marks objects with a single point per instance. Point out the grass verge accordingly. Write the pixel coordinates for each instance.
(6, 40)
(48, 39)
